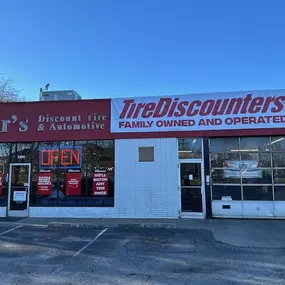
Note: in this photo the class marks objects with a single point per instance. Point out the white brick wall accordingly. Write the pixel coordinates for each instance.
(146, 189)
(142, 189)
(3, 211)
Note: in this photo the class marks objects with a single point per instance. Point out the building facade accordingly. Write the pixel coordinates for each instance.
(188, 156)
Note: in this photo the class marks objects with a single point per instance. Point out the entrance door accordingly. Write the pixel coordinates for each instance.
(192, 189)
(19, 187)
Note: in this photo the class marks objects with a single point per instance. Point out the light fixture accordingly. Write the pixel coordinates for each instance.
(236, 150)
(278, 140)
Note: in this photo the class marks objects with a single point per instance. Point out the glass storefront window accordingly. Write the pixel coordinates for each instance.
(277, 143)
(220, 191)
(256, 176)
(190, 174)
(66, 143)
(100, 157)
(258, 193)
(251, 160)
(22, 152)
(279, 193)
(5, 152)
(254, 144)
(278, 159)
(46, 160)
(219, 145)
(221, 160)
(227, 175)
(190, 148)
(279, 176)
(71, 165)
(256, 164)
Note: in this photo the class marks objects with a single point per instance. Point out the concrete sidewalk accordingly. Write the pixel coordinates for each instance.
(250, 233)
(240, 233)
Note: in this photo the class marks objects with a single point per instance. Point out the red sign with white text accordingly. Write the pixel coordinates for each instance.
(55, 120)
(73, 184)
(44, 183)
(199, 112)
(100, 183)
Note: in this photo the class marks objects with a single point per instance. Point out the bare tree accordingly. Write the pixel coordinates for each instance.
(8, 93)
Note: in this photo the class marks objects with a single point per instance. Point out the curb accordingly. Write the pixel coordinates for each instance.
(102, 226)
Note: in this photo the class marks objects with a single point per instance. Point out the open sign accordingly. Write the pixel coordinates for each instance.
(63, 157)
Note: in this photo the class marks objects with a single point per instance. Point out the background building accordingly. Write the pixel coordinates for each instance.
(47, 95)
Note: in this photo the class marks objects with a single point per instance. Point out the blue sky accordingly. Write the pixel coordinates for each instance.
(117, 48)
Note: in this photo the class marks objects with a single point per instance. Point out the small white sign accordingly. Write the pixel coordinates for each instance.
(190, 176)
(227, 198)
(19, 196)
(207, 178)
(21, 156)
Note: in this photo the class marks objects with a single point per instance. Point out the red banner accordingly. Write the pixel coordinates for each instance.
(100, 183)
(73, 184)
(44, 183)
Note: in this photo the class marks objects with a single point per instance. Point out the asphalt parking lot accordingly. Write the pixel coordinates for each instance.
(38, 255)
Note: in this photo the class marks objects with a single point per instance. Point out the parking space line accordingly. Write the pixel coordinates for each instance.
(88, 244)
(11, 230)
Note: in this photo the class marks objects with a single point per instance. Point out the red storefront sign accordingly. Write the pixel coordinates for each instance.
(100, 183)
(1, 184)
(44, 183)
(55, 120)
(72, 183)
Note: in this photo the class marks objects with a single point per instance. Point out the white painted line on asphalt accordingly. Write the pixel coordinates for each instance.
(36, 225)
(1, 234)
(88, 244)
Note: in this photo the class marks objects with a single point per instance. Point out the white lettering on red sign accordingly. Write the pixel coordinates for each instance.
(100, 183)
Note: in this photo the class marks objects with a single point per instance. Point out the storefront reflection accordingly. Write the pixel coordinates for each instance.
(247, 168)
(72, 166)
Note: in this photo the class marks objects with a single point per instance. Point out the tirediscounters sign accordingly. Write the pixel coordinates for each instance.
(217, 111)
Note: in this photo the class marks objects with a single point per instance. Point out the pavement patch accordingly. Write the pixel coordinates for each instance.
(102, 226)
(158, 225)
(75, 225)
